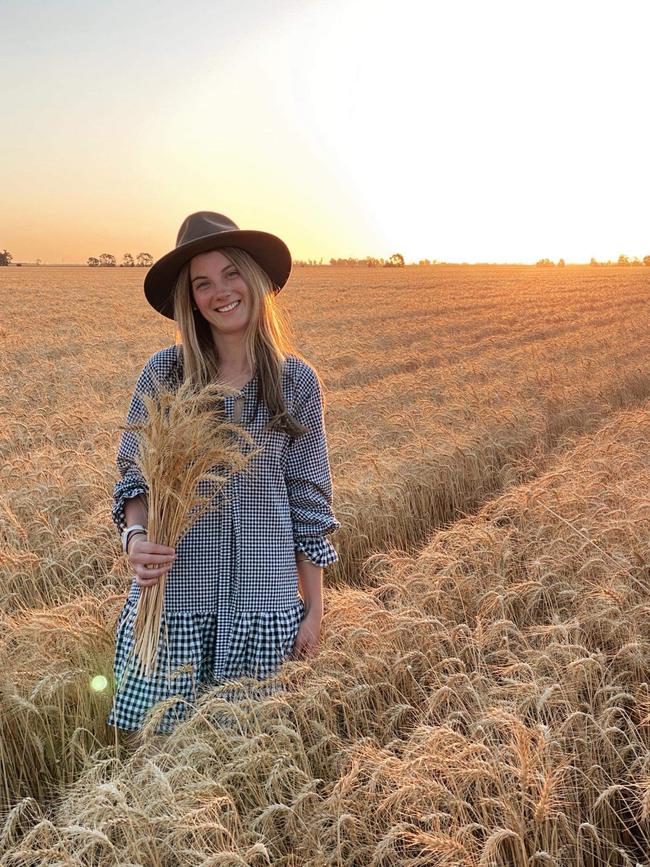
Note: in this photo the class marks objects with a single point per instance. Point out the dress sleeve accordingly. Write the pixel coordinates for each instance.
(131, 482)
(308, 478)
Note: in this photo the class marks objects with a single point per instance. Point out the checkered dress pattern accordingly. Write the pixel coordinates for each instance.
(232, 607)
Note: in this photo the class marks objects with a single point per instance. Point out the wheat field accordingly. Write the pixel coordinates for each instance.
(481, 693)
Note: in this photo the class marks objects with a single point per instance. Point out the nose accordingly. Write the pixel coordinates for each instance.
(221, 292)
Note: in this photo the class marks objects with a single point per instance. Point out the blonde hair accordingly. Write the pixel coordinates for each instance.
(266, 338)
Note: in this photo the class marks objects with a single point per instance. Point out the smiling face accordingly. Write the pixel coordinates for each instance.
(220, 293)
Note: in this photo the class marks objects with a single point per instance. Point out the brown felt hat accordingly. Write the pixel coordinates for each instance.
(205, 231)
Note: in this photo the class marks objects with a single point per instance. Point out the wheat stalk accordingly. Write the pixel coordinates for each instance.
(186, 454)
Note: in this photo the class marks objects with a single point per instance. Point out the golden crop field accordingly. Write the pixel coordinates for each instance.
(481, 693)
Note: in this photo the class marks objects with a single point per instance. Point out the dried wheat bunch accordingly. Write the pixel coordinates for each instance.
(186, 454)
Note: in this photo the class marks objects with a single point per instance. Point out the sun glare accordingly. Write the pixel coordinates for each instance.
(98, 683)
(458, 131)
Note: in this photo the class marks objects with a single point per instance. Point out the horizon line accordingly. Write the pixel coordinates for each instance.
(361, 263)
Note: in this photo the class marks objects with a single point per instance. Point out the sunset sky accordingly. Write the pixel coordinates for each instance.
(456, 130)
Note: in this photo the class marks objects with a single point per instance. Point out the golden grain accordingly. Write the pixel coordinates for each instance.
(481, 691)
(187, 452)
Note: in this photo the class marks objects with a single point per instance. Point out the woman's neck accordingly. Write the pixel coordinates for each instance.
(233, 361)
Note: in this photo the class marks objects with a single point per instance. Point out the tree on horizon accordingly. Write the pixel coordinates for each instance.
(5, 257)
(144, 260)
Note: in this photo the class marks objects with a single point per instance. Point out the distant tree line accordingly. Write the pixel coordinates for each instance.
(397, 261)
(394, 261)
(622, 260)
(107, 260)
(145, 260)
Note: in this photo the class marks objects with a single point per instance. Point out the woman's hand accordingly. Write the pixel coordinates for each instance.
(143, 554)
(308, 636)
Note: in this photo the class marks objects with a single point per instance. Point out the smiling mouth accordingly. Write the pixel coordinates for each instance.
(228, 307)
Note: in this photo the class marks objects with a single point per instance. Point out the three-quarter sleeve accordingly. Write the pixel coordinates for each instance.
(308, 477)
(131, 482)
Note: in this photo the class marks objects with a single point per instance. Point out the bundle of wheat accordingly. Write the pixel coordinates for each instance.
(187, 452)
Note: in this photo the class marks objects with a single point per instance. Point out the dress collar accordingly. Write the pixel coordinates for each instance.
(246, 389)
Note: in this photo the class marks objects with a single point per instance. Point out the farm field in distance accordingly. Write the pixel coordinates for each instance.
(481, 695)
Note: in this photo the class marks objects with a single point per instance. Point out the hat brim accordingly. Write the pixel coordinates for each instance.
(269, 251)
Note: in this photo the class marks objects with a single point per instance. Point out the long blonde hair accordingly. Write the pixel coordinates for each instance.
(266, 338)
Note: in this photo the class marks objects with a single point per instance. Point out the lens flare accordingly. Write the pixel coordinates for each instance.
(99, 683)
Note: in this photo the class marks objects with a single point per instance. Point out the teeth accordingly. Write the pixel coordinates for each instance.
(229, 307)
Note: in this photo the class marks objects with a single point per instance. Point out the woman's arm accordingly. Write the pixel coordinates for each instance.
(308, 478)
(310, 584)
(309, 487)
(135, 511)
(131, 489)
(156, 373)
(147, 559)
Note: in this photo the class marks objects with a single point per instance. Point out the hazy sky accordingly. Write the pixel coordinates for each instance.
(462, 130)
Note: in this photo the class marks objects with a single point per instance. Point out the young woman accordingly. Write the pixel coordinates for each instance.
(244, 585)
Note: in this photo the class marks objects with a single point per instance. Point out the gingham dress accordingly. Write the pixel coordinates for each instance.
(232, 606)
